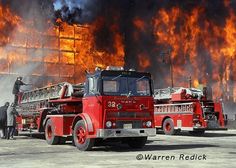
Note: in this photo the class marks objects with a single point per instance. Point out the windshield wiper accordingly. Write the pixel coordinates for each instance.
(129, 94)
(126, 94)
(140, 78)
(116, 77)
(93, 92)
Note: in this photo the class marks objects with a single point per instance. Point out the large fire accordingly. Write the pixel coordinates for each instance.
(61, 52)
(199, 47)
(205, 51)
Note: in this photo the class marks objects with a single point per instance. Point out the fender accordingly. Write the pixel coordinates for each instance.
(43, 118)
(45, 121)
(87, 120)
(162, 122)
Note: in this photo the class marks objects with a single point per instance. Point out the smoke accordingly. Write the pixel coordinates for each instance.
(40, 12)
(76, 11)
(144, 48)
(122, 13)
(27, 13)
(7, 83)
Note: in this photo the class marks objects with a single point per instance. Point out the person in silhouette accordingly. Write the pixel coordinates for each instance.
(16, 88)
(3, 120)
(11, 120)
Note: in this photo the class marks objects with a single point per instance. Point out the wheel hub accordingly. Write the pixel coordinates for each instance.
(49, 132)
(81, 135)
(168, 127)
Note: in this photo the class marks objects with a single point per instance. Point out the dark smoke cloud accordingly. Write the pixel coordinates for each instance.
(76, 11)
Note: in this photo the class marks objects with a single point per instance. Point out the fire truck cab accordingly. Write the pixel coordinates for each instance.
(111, 104)
(186, 109)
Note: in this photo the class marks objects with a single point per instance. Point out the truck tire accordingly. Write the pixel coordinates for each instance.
(197, 133)
(49, 133)
(137, 142)
(80, 137)
(168, 127)
(73, 142)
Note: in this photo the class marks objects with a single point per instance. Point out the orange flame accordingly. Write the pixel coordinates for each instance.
(63, 51)
(181, 32)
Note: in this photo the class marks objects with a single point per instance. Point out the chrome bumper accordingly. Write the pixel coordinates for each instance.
(115, 133)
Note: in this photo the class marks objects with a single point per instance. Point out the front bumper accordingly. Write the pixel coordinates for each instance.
(115, 133)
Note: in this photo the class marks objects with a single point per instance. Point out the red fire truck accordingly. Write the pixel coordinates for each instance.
(186, 109)
(111, 104)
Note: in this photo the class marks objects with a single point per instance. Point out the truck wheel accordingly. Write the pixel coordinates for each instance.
(168, 127)
(197, 133)
(137, 142)
(49, 133)
(80, 137)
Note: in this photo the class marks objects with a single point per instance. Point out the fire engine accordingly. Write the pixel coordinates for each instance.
(112, 104)
(186, 109)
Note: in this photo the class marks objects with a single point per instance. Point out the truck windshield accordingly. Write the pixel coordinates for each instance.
(129, 86)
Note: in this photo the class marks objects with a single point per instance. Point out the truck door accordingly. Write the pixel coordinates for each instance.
(92, 102)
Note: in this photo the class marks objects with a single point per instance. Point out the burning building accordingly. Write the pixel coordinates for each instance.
(48, 50)
(52, 41)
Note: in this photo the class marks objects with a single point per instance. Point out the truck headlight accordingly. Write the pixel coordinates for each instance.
(108, 124)
(148, 123)
(141, 106)
(119, 106)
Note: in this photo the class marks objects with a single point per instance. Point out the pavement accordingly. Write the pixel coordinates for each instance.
(214, 149)
(231, 124)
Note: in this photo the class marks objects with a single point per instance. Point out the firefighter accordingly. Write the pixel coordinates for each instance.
(16, 88)
(11, 120)
(3, 120)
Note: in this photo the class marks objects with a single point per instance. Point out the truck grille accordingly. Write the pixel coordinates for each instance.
(135, 124)
(128, 114)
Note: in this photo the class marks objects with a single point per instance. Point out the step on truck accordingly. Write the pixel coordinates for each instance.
(112, 104)
(187, 109)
